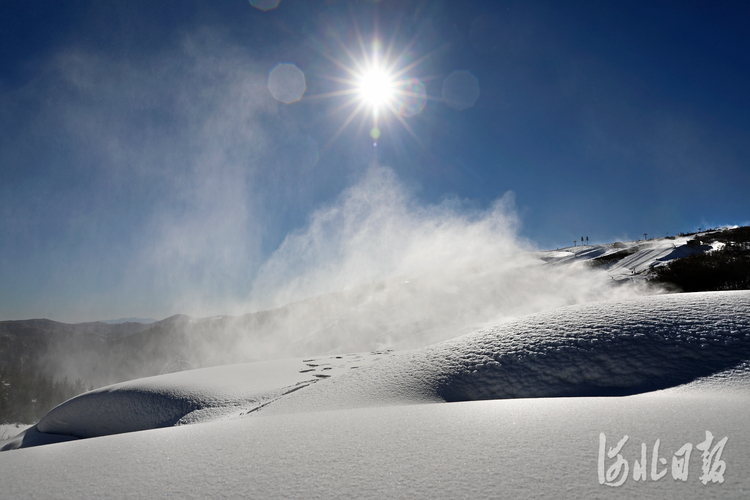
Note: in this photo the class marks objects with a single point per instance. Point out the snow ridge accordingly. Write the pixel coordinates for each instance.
(594, 349)
(589, 350)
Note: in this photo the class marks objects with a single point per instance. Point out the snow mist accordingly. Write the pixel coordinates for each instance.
(377, 269)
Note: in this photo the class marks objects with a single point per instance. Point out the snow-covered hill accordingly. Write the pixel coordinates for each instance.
(633, 260)
(365, 425)
(571, 355)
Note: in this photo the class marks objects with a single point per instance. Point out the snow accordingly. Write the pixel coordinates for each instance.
(595, 349)
(658, 253)
(644, 255)
(522, 422)
(523, 448)
(189, 397)
(8, 431)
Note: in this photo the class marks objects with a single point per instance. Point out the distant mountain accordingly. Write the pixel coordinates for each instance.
(129, 320)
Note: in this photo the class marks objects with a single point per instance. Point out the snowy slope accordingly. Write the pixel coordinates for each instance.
(520, 448)
(631, 260)
(596, 349)
(357, 426)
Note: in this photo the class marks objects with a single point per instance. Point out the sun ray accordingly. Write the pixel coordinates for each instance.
(401, 55)
(361, 41)
(361, 125)
(414, 94)
(343, 106)
(334, 93)
(392, 42)
(430, 78)
(330, 113)
(344, 125)
(407, 127)
(337, 79)
(340, 64)
(419, 61)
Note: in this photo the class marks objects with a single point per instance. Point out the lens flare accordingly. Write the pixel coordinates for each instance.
(411, 98)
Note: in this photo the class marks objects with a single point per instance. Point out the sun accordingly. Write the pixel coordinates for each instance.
(377, 88)
(378, 85)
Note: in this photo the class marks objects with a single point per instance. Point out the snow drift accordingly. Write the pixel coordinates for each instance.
(595, 349)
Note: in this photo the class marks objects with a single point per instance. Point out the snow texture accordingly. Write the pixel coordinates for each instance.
(8, 431)
(520, 448)
(172, 399)
(595, 349)
(353, 427)
(633, 260)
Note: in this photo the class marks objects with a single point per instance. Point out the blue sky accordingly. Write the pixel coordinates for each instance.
(147, 169)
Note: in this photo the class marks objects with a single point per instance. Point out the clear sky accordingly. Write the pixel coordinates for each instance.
(152, 161)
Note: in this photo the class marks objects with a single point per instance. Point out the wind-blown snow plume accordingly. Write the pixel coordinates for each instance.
(376, 230)
(379, 269)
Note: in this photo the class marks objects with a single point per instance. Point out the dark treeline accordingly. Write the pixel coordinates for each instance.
(724, 269)
(26, 395)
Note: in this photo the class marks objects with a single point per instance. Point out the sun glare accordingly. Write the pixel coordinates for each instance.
(376, 88)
